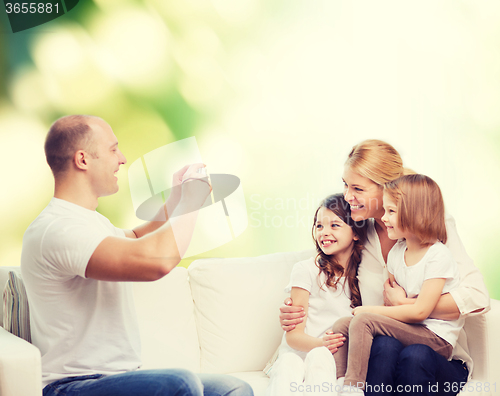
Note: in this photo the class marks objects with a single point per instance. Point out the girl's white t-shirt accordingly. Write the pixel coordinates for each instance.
(326, 304)
(471, 296)
(436, 263)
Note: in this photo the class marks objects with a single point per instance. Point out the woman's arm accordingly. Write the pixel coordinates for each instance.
(445, 309)
(297, 338)
(471, 297)
(290, 315)
(424, 304)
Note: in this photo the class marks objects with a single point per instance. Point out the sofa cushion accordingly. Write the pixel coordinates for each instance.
(165, 311)
(257, 380)
(237, 304)
(15, 307)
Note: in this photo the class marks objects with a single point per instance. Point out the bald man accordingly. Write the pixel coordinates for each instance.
(77, 266)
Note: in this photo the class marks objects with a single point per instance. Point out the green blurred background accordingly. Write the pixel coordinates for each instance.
(275, 92)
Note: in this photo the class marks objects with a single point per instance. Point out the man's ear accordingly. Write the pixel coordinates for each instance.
(80, 159)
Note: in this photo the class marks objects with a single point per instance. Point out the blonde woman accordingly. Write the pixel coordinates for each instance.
(370, 165)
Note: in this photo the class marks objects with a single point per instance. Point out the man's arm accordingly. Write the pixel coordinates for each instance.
(155, 254)
(143, 259)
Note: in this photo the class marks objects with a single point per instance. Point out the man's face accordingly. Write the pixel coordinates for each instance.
(103, 167)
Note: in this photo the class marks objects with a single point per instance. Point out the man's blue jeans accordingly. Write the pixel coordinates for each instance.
(167, 382)
(413, 370)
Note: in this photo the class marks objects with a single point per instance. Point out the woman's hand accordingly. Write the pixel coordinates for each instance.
(393, 294)
(290, 316)
(333, 341)
(363, 309)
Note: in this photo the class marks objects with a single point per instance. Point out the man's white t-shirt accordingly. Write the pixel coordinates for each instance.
(81, 326)
(326, 304)
(436, 263)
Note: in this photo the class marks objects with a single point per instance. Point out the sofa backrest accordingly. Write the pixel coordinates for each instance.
(233, 325)
(167, 325)
(165, 311)
(237, 304)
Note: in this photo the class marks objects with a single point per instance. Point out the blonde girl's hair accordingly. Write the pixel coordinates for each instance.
(329, 265)
(420, 207)
(376, 160)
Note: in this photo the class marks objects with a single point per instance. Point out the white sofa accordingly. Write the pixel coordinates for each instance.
(221, 316)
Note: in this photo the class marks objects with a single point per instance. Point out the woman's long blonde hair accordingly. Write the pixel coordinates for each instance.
(376, 160)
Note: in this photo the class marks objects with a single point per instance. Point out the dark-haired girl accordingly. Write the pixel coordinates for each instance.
(327, 287)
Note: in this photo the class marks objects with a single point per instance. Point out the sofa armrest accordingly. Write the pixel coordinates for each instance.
(20, 367)
(493, 342)
(484, 346)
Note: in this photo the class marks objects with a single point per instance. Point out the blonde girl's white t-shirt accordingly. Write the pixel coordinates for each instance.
(81, 326)
(326, 304)
(471, 296)
(436, 263)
